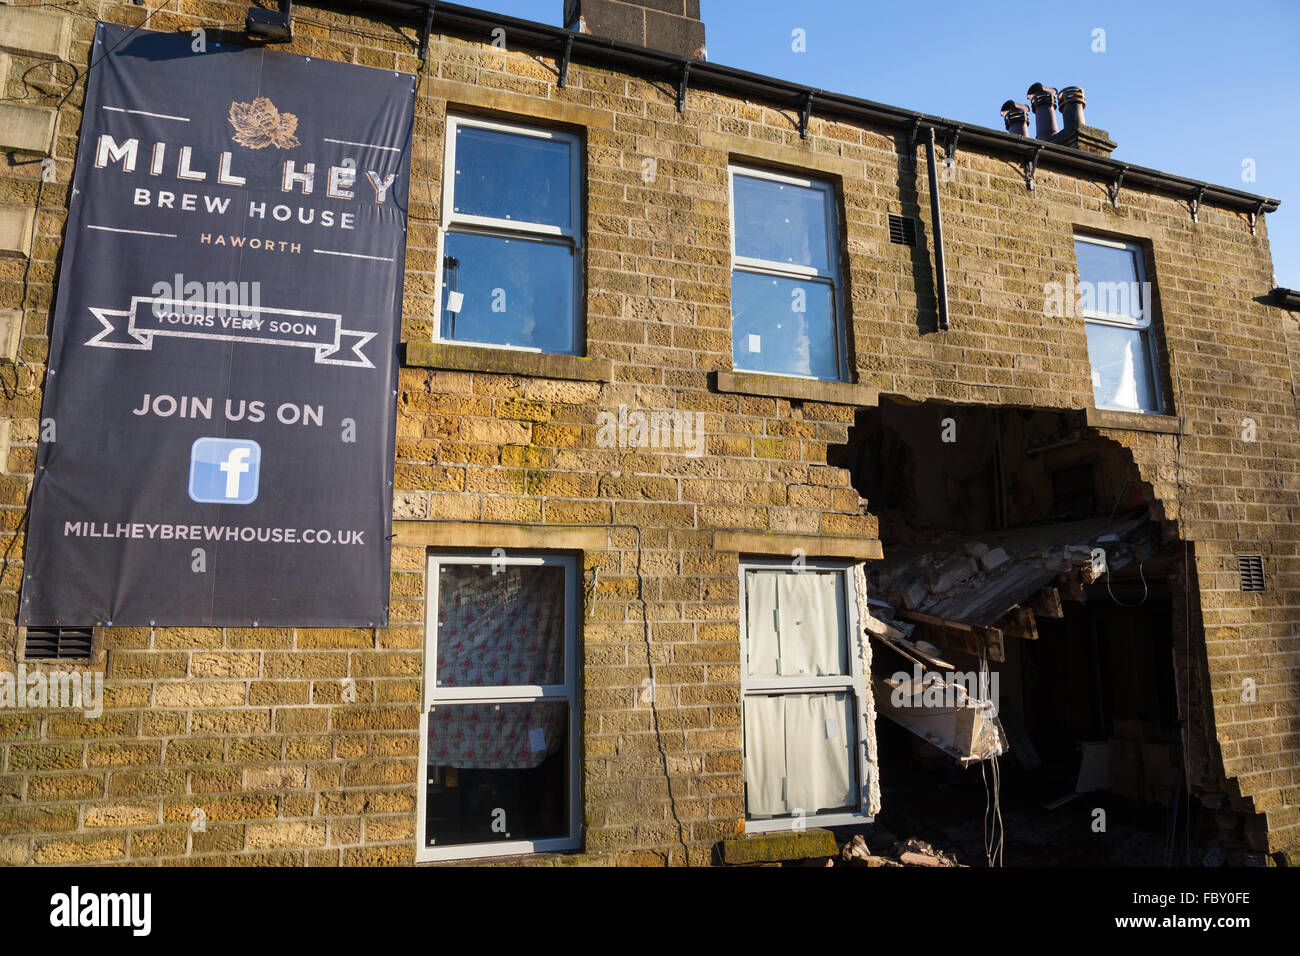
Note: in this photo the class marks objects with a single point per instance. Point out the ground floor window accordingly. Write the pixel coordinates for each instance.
(499, 731)
(804, 720)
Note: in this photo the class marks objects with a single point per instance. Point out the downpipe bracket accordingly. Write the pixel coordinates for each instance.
(1031, 166)
(1112, 191)
(564, 61)
(805, 114)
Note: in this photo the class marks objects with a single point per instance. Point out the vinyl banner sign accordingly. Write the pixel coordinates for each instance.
(218, 424)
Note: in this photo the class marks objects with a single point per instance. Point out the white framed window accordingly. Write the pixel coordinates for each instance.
(1115, 298)
(499, 732)
(787, 297)
(803, 696)
(510, 242)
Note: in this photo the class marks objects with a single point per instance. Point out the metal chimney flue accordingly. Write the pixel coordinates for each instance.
(1077, 134)
(1042, 99)
(1016, 117)
(1072, 104)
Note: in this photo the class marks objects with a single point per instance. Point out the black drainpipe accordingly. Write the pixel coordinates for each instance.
(936, 219)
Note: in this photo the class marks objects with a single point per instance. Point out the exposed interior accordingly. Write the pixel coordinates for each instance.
(1085, 688)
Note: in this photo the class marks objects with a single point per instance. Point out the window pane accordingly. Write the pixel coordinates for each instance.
(785, 326)
(1112, 277)
(517, 292)
(509, 176)
(502, 628)
(799, 754)
(781, 223)
(1121, 368)
(497, 773)
(819, 734)
(795, 623)
(765, 756)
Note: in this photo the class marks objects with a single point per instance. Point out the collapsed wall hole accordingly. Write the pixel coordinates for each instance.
(1083, 664)
(932, 470)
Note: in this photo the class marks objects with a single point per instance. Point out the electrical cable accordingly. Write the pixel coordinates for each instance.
(994, 829)
(988, 845)
(1145, 590)
(428, 176)
(1001, 831)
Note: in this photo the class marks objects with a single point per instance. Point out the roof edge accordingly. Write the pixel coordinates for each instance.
(1286, 298)
(591, 48)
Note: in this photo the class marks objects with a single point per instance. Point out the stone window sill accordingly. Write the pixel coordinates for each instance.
(797, 389)
(1134, 421)
(478, 358)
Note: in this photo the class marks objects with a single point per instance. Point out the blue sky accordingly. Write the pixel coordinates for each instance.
(1192, 87)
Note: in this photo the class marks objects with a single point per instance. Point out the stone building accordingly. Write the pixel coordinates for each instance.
(749, 365)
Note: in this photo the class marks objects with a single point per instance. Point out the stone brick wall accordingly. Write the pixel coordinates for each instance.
(246, 728)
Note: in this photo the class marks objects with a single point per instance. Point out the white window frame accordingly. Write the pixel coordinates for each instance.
(854, 684)
(434, 696)
(522, 230)
(787, 270)
(1140, 324)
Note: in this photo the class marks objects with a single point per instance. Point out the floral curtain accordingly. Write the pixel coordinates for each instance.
(502, 628)
(498, 627)
(513, 736)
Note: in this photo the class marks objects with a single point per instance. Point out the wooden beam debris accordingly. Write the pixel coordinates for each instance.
(970, 638)
(1071, 588)
(1019, 622)
(1047, 603)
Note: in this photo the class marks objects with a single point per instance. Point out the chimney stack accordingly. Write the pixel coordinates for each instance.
(1072, 104)
(673, 26)
(1016, 117)
(1043, 100)
(1077, 134)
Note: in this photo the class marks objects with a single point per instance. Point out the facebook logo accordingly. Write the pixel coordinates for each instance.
(225, 471)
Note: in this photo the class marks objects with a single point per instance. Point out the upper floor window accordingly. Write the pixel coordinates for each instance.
(511, 263)
(1116, 302)
(786, 293)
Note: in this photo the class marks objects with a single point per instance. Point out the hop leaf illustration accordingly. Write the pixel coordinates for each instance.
(259, 124)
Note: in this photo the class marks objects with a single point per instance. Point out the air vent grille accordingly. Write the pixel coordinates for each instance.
(1251, 568)
(902, 230)
(58, 643)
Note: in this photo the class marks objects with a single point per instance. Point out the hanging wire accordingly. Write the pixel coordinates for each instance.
(994, 830)
(997, 809)
(1145, 590)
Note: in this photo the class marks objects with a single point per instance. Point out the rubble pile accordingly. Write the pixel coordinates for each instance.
(885, 850)
(995, 580)
(932, 575)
